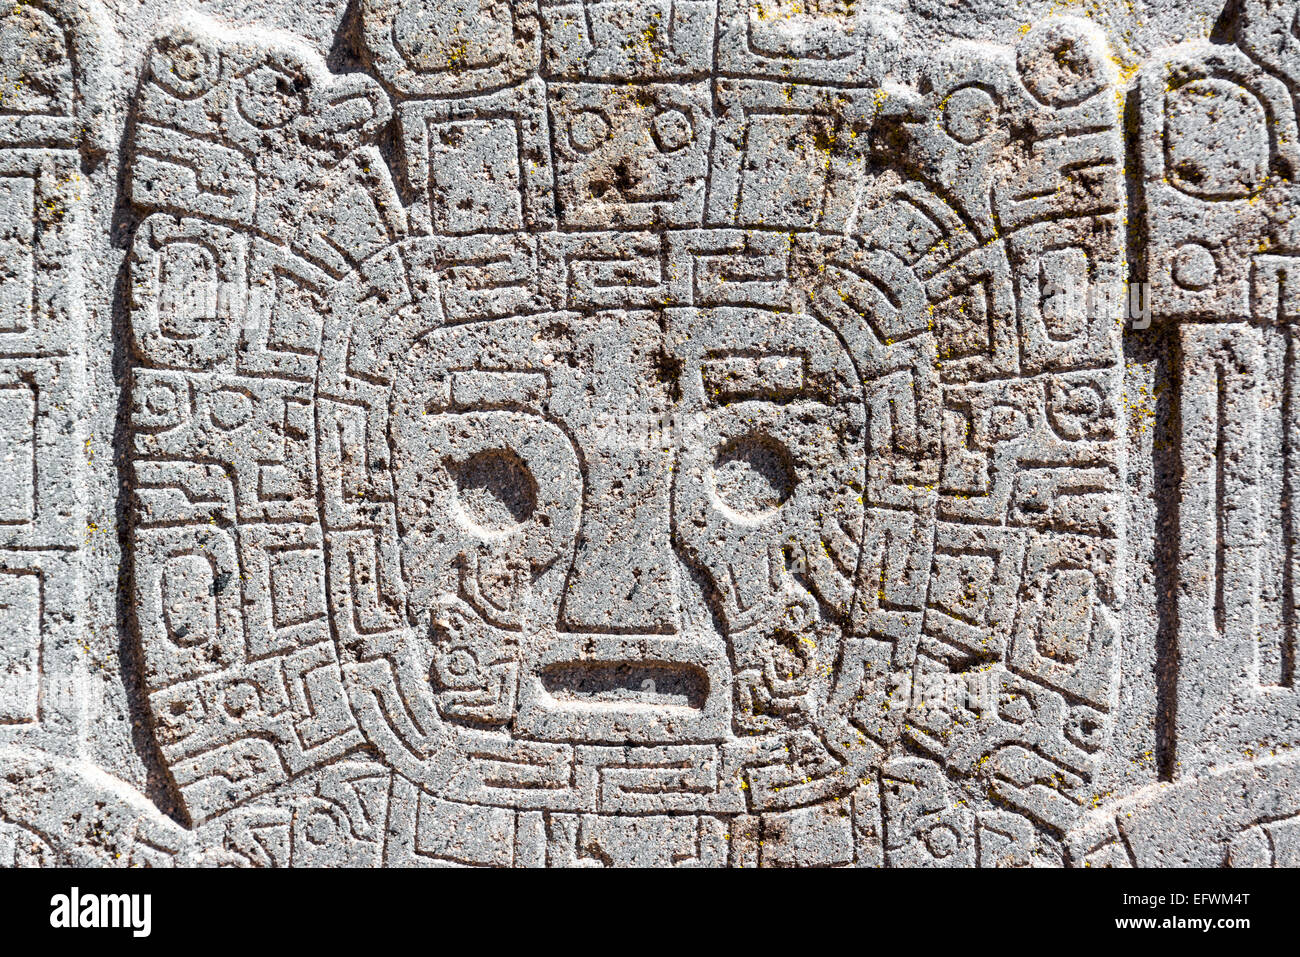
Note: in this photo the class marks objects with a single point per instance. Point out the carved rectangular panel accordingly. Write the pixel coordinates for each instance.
(20, 625)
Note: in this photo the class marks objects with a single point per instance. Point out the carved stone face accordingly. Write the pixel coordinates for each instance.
(633, 509)
(664, 448)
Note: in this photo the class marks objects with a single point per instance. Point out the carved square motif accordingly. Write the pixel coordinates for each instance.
(630, 39)
(807, 39)
(430, 48)
(630, 156)
(480, 165)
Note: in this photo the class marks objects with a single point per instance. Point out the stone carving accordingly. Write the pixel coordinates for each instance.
(610, 521)
(1218, 158)
(53, 126)
(647, 433)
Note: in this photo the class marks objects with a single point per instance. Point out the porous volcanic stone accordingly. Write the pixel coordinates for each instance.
(649, 432)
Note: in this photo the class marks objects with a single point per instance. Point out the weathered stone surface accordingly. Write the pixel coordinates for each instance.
(551, 433)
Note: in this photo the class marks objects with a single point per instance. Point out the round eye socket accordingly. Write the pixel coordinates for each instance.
(496, 490)
(587, 130)
(184, 66)
(270, 98)
(754, 475)
(969, 114)
(231, 409)
(672, 130)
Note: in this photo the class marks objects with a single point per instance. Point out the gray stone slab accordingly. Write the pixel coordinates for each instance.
(636, 433)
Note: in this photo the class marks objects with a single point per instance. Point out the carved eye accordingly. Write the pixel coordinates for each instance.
(1216, 140)
(270, 99)
(1194, 266)
(754, 475)
(587, 130)
(1060, 65)
(321, 826)
(496, 490)
(968, 115)
(942, 841)
(672, 130)
(231, 409)
(184, 66)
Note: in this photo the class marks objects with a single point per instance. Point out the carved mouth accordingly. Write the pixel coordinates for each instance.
(615, 689)
(626, 684)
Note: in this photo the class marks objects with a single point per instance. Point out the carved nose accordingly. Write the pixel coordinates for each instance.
(624, 578)
(617, 407)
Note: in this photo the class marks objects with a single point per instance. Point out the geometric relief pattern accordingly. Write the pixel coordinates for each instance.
(648, 433)
(691, 452)
(243, 152)
(1218, 135)
(52, 128)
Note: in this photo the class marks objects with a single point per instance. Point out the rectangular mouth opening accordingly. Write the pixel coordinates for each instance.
(623, 684)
